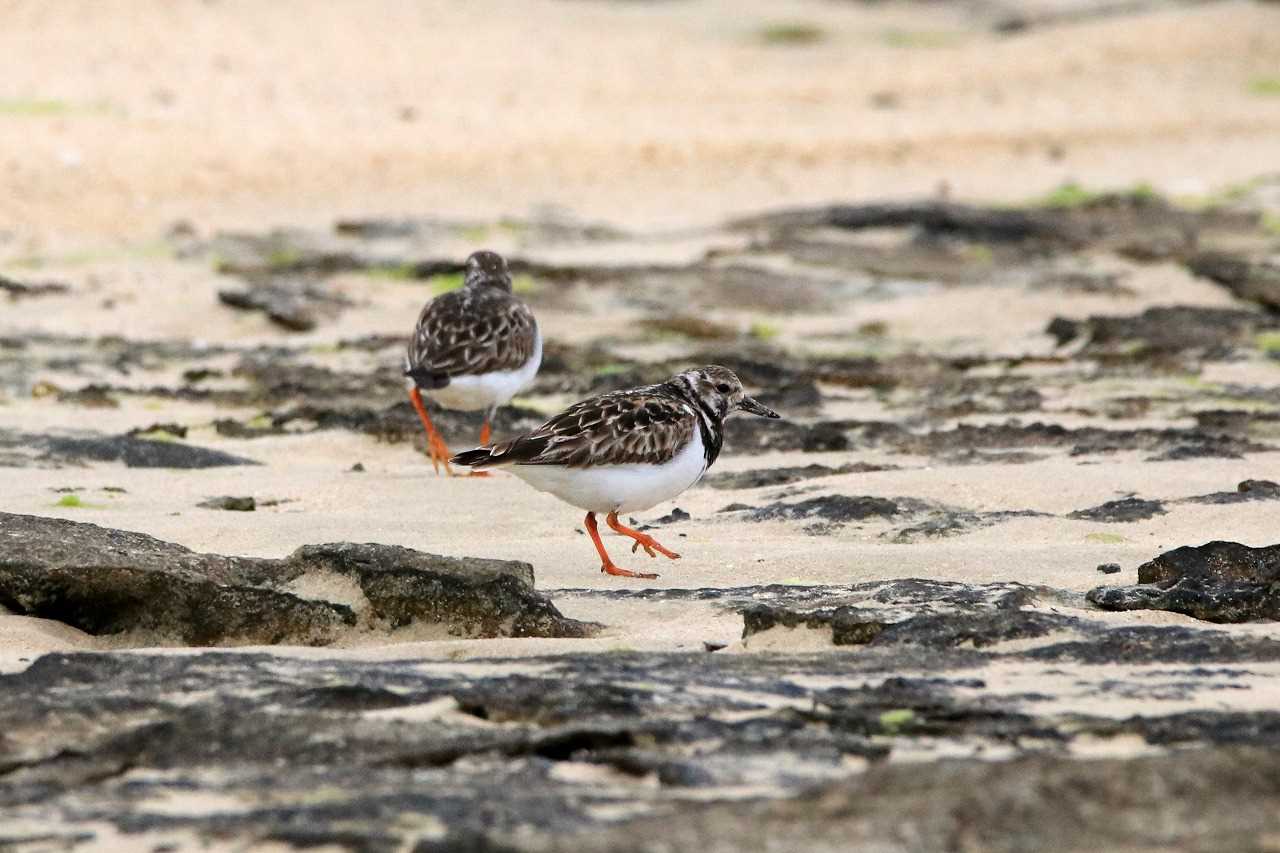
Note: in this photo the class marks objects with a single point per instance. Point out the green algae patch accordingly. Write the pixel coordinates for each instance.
(893, 721)
(790, 34)
(445, 282)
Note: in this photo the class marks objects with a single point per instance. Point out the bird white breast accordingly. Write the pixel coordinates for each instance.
(619, 488)
(484, 390)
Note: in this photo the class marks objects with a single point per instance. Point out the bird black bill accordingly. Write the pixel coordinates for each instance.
(755, 407)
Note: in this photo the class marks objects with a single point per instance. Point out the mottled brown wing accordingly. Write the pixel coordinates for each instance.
(462, 333)
(613, 429)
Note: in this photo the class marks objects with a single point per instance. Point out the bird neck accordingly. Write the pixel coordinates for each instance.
(710, 422)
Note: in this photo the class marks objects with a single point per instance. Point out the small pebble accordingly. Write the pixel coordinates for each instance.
(1109, 568)
(230, 502)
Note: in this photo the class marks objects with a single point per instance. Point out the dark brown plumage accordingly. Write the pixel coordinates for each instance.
(473, 348)
(478, 329)
(641, 425)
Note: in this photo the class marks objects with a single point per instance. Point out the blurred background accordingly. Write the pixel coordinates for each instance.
(118, 119)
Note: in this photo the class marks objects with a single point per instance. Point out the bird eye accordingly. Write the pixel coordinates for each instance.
(723, 388)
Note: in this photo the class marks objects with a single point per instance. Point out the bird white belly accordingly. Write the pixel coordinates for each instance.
(618, 488)
(481, 391)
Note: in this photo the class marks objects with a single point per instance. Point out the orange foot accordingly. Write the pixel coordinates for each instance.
(642, 540)
(606, 565)
(611, 569)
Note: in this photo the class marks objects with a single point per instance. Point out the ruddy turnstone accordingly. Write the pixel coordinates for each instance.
(627, 450)
(473, 348)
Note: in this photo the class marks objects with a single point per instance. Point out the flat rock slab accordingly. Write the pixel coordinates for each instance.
(26, 449)
(106, 581)
(544, 753)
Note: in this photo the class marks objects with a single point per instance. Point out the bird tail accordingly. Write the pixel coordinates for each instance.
(481, 457)
(426, 379)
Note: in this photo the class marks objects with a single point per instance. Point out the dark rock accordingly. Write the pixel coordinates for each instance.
(1217, 582)
(791, 397)
(175, 430)
(395, 423)
(1249, 278)
(744, 435)
(296, 304)
(911, 612)
(18, 290)
(759, 477)
(228, 502)
(970, 456)
(1014, 434)
(107, 581)
(1163, 330)
(1109, 568)
(199, 374)
(467, 596)
(1121, 511)
(475, 752)
(1063, 330)
(979, 805)
(1246, 490)
(231, 428)
(848, 625)
(676, 514)
(1215, 561)
(1146, 644)
(984, 224)
(1180, 452)
(855, 626)
(837, 508)
(943, 521)
(135, 452)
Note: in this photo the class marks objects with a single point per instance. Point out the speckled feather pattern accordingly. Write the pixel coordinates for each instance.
(649, 425)
(471, 332)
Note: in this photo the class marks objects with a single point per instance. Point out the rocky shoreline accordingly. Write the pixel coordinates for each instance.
(1038, 559)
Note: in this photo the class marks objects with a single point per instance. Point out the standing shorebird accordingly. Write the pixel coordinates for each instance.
(472, 349)
(627, 450)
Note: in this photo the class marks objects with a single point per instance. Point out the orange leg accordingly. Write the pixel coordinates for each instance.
(485, 435)
(435, 444)
(606, 565)
(643, 540)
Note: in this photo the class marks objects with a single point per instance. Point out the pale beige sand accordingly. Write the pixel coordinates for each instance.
(243, 113)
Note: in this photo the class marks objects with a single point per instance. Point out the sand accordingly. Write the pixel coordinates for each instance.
(239, 114)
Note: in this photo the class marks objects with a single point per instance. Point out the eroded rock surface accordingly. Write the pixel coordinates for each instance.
(1123, 510)
(24, 450)
(1218, 582)
(543, 753)
(106, 581)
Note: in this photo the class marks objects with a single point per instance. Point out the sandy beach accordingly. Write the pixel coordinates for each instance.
(1004, 270)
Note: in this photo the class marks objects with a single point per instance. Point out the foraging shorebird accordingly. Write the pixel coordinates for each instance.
(627, 450)
(473, 348)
